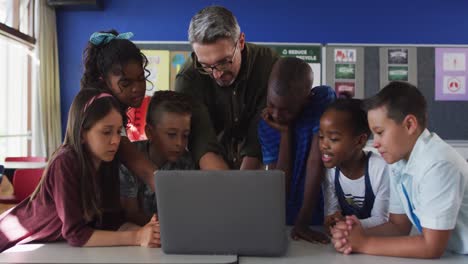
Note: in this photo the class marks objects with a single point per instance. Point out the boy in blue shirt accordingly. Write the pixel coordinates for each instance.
(288, 134)
(428, 188)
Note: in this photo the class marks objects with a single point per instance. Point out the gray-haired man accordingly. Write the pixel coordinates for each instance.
(228, 78)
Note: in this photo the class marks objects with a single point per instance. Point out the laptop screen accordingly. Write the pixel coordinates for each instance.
(222, 212)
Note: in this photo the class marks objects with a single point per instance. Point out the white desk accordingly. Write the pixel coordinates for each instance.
(14, 165)
(298, 252)
(63, 253)
(304, 252)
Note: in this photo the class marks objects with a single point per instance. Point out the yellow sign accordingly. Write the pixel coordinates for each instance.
(158, 65)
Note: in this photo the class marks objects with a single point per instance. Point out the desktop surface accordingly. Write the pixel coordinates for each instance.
(63, 253)
(302, 252)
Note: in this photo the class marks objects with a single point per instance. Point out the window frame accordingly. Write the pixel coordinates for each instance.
(14, 31)
(14, 34)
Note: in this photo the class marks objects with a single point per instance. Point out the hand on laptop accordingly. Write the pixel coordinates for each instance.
(304, 232)
(149, 235)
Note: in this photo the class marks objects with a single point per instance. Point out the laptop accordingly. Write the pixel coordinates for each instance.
(222, 212)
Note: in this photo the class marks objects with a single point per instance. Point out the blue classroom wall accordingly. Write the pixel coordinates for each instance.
(319, 21)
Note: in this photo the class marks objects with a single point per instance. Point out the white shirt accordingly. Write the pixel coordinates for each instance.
(436, 179)
(355, 190)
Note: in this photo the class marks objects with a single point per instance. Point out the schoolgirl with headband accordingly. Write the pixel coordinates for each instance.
(77, 199)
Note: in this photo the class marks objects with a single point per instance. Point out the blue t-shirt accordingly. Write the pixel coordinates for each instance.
(307, 125)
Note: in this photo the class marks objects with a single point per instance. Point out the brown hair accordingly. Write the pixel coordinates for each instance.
(167, 101)
(85, 111)
(400, 99)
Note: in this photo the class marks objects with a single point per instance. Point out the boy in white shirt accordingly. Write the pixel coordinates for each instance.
(428, 190)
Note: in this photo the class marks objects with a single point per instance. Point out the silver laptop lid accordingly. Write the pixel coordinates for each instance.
(222, 212)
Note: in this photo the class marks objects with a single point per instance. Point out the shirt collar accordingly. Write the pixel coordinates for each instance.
(246, 66)
(411, 166)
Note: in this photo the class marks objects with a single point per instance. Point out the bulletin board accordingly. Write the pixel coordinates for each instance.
(439, 71)
(164, 62)
(309, 52)
(166, 58)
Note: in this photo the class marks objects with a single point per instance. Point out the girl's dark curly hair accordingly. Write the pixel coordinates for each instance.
(100, 60)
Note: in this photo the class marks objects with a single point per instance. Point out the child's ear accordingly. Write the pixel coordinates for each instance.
(411, 124)
(362, 140)
(148, 132)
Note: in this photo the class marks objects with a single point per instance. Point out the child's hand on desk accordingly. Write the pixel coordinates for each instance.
(357, 236)
(149, 235)
(299, 232)
(348, 235)
(331, 220)
(339, 234)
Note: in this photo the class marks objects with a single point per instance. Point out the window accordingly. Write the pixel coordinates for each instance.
(18, 15)
(16, 76)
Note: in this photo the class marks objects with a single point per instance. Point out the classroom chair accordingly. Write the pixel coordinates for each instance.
(24, 183)
(27, 159)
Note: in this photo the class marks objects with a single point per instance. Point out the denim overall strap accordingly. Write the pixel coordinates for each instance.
(369, 198)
